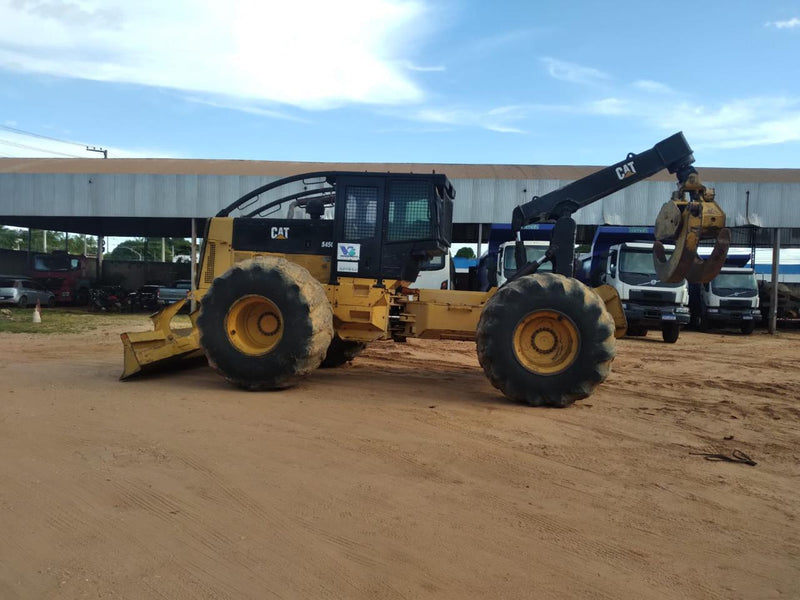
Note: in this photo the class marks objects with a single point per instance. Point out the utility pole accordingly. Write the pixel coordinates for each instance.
(103, 151)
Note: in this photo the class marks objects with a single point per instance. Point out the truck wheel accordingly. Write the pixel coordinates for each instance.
(82, 297)
(748, 327)
(265, 323)
(670, 332)
(341, 351)
(636, 331)
(23, 302)
(546, 340)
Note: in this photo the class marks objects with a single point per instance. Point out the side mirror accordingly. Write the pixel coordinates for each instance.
(612, 263)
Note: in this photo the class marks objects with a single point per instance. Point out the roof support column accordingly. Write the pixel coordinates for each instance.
(30, 246)
(101, 246)
(773, 305)
(193, 267)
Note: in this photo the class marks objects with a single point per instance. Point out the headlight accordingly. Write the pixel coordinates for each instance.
(682, 309)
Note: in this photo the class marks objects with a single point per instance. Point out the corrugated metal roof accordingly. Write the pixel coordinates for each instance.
(175, 189)
(172, 166)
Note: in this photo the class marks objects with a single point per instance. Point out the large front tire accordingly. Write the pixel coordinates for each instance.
(265, 323)
(546, 340)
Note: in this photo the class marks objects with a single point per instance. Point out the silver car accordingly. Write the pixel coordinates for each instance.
(24, 292)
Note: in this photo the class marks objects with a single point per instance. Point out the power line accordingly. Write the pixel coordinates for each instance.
(27, 147)
(39, 135)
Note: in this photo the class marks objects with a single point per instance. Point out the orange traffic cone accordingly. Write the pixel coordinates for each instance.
(37, 313)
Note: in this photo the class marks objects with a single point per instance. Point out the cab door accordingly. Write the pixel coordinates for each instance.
(359, 227)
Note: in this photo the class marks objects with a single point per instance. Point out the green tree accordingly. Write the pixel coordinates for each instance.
(149, 249)
(12, 239)
(180, 246)
(82, 244)
(465, 252)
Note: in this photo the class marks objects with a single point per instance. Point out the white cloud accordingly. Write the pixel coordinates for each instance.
(501, 119)
(654, 87)
(229, 103)
(573, 73)
(609, 106)
(788, 24)
(312, 54)
(737, 123)
(734, 123)
(432, 69)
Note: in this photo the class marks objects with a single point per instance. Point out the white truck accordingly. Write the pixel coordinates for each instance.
(730, 299)
(437, 273)
(498, 265)
(628, 267)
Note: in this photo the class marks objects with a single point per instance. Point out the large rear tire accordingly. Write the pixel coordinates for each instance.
(341, 351)
(265, 323)
(546, 340)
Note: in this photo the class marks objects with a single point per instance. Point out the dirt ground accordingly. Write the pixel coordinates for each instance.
(402, 475)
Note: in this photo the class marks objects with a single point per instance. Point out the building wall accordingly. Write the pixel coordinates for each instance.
(478, 200)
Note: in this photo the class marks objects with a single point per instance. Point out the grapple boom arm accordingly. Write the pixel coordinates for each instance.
(682, 222)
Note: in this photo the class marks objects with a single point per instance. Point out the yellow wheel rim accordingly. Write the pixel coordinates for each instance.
(254, 325)
(546, 342)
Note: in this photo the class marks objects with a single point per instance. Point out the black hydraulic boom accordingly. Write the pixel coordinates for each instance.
(672, 153)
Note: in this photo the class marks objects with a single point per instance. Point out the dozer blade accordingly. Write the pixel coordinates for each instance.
(163, 347)
(610, 298)
(686, 223)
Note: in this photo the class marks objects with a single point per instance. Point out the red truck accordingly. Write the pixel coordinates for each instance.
(68, 276)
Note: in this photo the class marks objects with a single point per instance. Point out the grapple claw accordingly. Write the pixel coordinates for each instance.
(686, 223)
(685, 263)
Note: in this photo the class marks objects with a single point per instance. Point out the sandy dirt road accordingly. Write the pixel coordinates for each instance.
(402, 475)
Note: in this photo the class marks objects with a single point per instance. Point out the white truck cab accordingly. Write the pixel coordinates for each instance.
(731, 298)
(436, 273)
(497, 267)
(648, 302)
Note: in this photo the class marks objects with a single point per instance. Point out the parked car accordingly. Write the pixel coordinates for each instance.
(24, 292)
(172, 293)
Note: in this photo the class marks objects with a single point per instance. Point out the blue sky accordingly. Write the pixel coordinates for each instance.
(401, 81)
